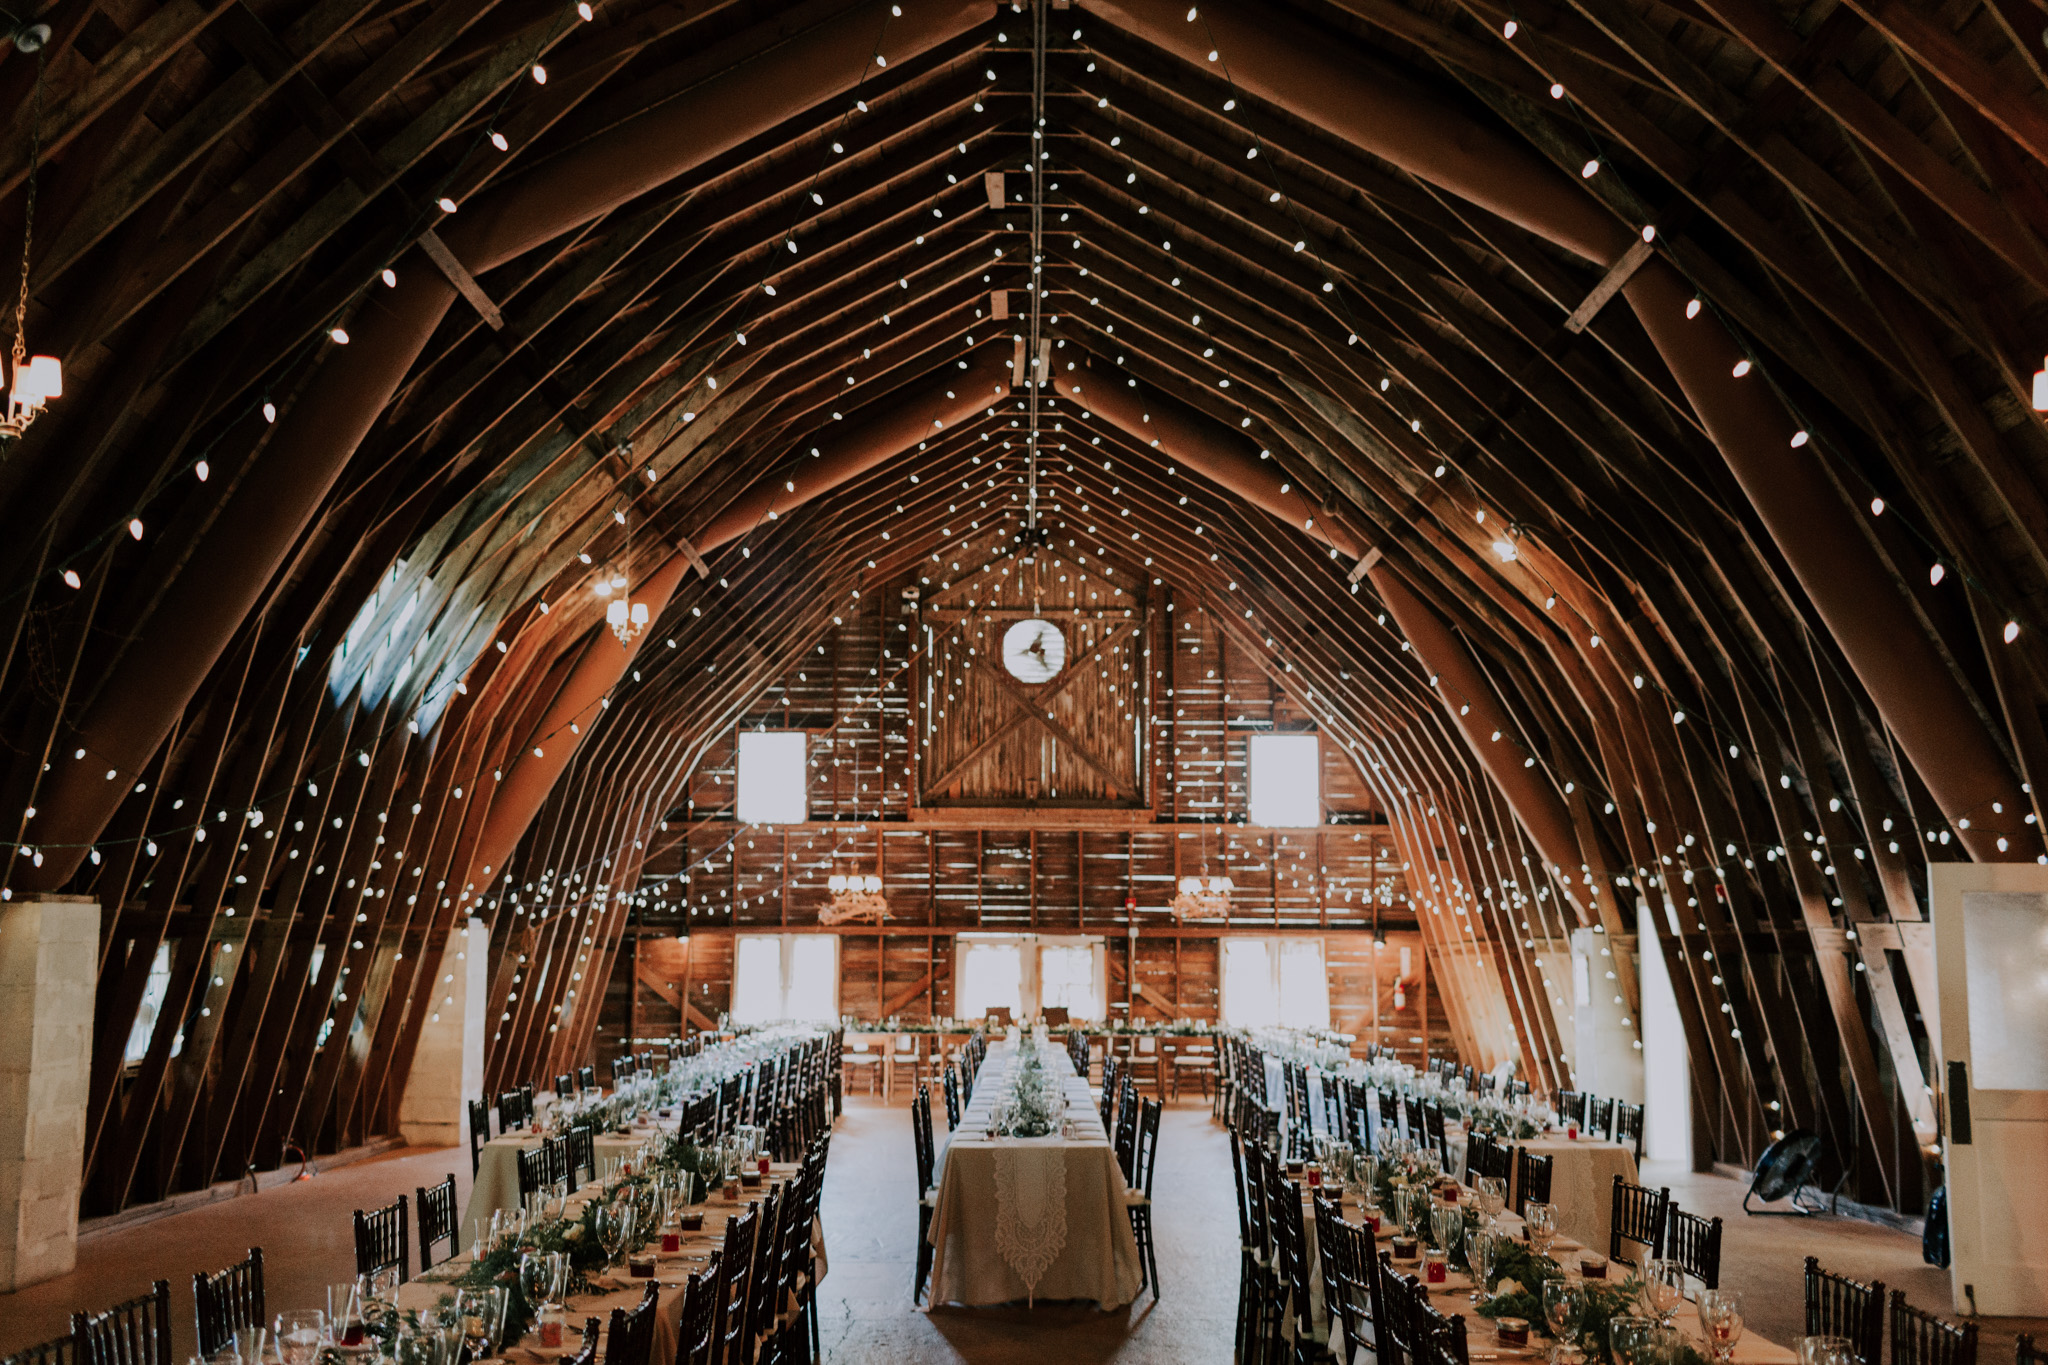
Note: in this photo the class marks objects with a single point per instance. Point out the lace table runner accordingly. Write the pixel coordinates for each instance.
(1031, 1209)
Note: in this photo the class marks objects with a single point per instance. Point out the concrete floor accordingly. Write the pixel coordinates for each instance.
(871, 1227)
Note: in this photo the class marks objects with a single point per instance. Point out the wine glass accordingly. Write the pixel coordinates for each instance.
(1447, 1221)
(1827, 1351)
(344, 1314)
(298, 1335)
(1480, 1245)
(1493, 1195)
(1542, 1221)
(1628, 1337)
(250, 1344)
(1564, 1302)
(615, 1228)
(1720, 1313)
(1663, 1288)
(535, 1276)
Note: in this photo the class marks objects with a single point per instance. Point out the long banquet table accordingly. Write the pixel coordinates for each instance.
(1453, 1297)
(616, 1289)
(497, 1171)
(1031, 1218)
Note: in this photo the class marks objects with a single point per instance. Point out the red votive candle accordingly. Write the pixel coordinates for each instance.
(671, 1241)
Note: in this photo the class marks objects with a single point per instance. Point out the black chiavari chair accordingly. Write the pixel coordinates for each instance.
(56, 1351)
(1331, 1252)
(1126, 1139)
(580, 1149)
(1532, 1180)
(1498, 1162)
(1357, 1273)
(1248, 1253)
(2024, 1352)
(1695, 1243)
(1600, 1117)
(479, 1133)
(1921, 1338)
(565, 1086)
(135, 1331)
(1395, 1322)
(952, 1084)
(694, 1338)
(1139, 1199)
(927, 1197)
(226, 1301)
(1638, 1217)
(766, 1276)
(535, 1173)
(1478, 1156)
(732, 1295)
(1571, 1107)
(511, 1111)
(1628, 1127)
(434, 1206)
(586, 1077)
(1439, 1336)
(588, 1354)
(383, 1241)
(1837, 1306)
(630, 1338)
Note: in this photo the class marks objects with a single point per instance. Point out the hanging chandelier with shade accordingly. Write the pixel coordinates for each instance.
(626, 617)
(32, 381)
(1203, 897)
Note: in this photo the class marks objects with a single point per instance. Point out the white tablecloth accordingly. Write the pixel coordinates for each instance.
(1021, 1219)
(1582, 1175)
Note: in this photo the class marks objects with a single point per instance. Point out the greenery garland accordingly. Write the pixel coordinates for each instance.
(1516, 1283)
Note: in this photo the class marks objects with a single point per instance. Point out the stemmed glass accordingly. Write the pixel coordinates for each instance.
(1564, 1302)
(535, 1278)
(1663, 1288)
(1827, 1351)
(1628, 1337)
(299, 1334)
(1721, 1319)
(615, 1228)
(1493, 1195)
(1479, 1248)
(345, 1314)
(482, 1313)
(1447, 1221)
(1542, 1221)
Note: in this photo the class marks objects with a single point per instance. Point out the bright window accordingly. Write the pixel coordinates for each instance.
(772, 777)
(991, 977)
(1280, 981)
(1285, 780)
(785, 976)
(1069, 977)
(153, 992)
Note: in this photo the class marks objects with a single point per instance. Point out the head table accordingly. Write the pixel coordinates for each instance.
(1020, 1219)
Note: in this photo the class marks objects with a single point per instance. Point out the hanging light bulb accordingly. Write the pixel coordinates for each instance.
(2041, 388)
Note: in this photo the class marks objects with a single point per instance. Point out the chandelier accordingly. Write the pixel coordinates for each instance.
(33, 380)
(626, 617)
(1203, 897)
(855, 899)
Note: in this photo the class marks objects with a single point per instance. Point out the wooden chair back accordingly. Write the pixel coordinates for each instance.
(227, 1300)
(1837, 1306)
(1638, 1216)
(136, 1331)
(438, 1217)
(1921, 1338)
(382, 1240)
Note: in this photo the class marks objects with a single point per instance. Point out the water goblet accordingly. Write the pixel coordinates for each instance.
(1823, 1350)
(1493, 1195)
(1720, 1313)
(1542, 1223)
(345, 1314)
(1663, 1287)
(251, 1345)
(1564, 1303)
(1447, 1221)
(299, 1335)
(534, 1278)
(1628, 1337)
(1480, 1246)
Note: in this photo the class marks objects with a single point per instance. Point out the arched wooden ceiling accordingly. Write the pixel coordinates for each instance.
(1359, 341)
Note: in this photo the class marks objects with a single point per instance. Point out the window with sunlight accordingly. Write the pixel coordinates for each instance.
(1067, 978)
(1250, 993)
(1285, 779)
(991, 977)
(785, 976)
(1269, 981)
(773, 780)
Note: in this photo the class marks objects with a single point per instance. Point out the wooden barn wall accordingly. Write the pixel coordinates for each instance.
(1017, 865)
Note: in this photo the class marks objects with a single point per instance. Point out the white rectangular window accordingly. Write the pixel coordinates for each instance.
(773, 779)
(1250, 996)
(991, 976)
(1285, 779)
(153, 991)
(785, 976)
(1269, 981)
(1304, 984)
(1070, 978)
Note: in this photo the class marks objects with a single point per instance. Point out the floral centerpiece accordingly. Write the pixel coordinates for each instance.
(1516, 1285)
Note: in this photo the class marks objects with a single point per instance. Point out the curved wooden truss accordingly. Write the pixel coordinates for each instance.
(1363, 354)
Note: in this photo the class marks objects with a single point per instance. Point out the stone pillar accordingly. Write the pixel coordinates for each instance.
(448, 1065)
(1607, 1063)
(49, 950)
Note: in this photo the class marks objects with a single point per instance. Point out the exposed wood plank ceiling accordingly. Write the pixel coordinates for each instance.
(733, 251)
